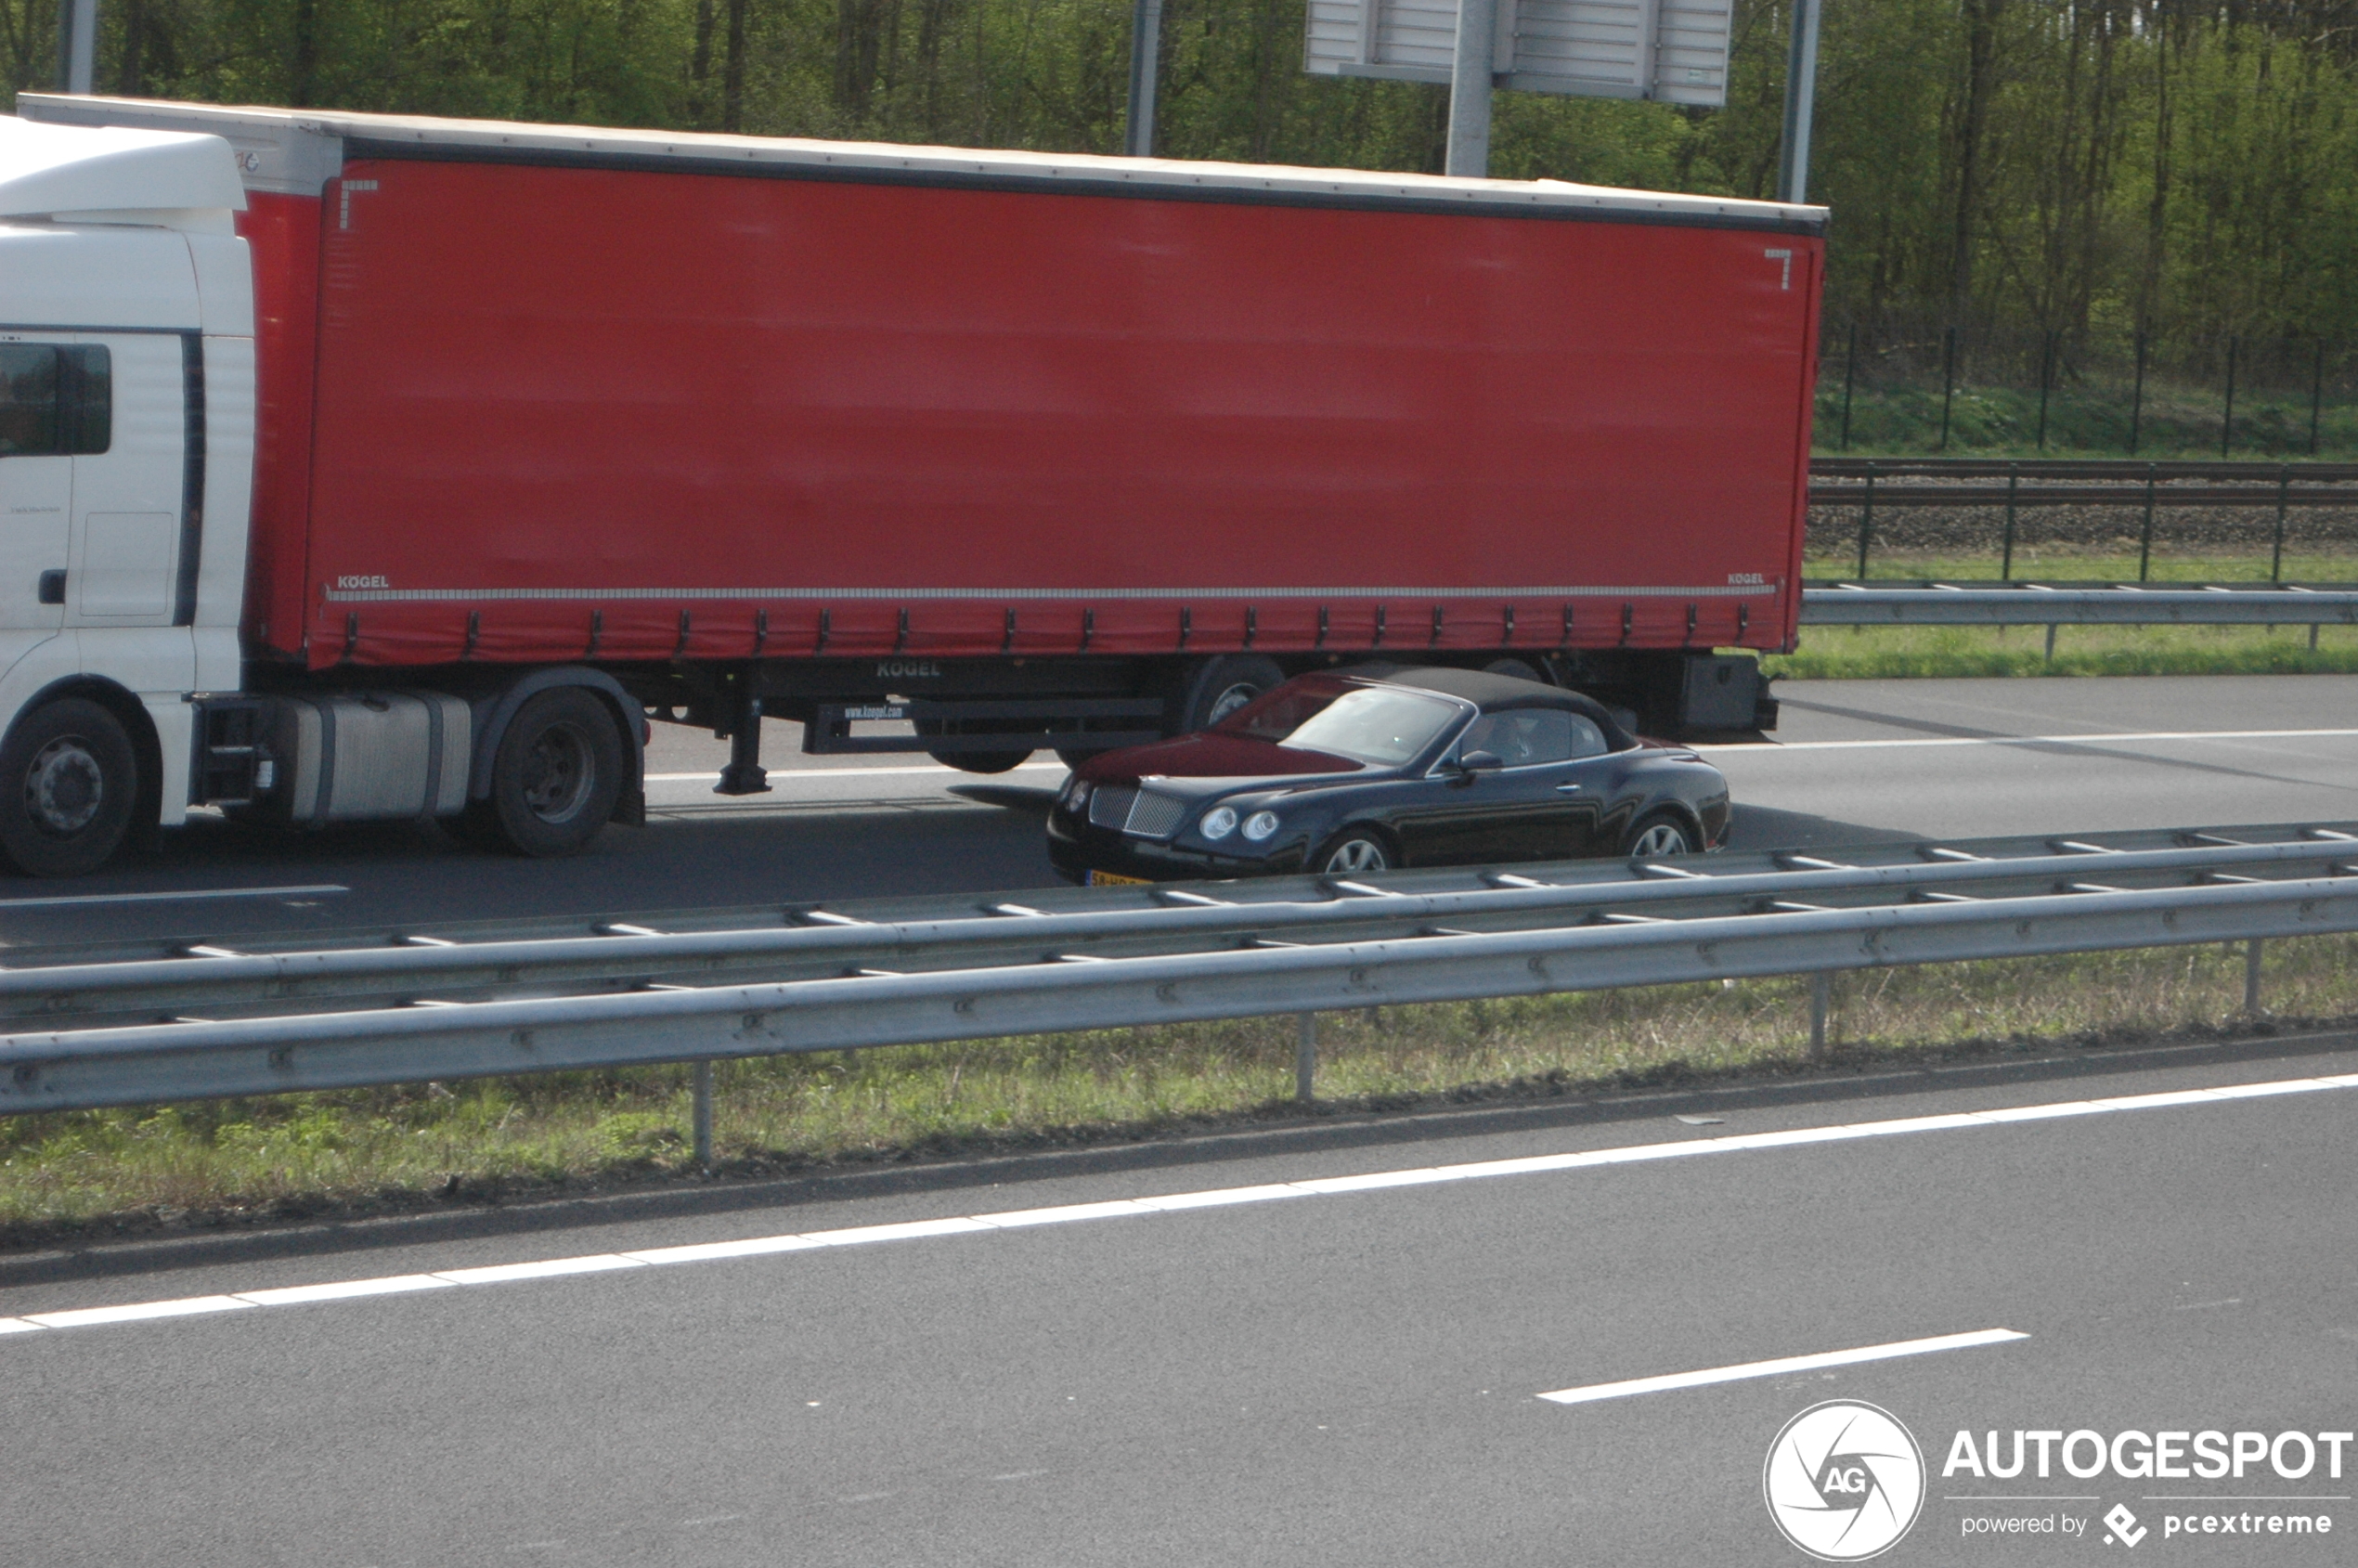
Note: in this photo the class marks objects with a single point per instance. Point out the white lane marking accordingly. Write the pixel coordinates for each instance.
(806, 775)
(501, 1274)
(1316, 1187)
(68, 900)
(1785, 1364)
(1756, 749)
(345, 1290)
(137, 1310)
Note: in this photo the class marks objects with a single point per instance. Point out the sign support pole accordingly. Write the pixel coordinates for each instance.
(1801, 97)
(1469, 85)
(1146, 51)
(77, 43)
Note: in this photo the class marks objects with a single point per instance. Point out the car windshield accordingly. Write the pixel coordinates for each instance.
(1375, 724)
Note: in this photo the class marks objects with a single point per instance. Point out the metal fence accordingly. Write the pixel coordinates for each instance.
(404, 1007)
(1911, 385)
(2255, 518)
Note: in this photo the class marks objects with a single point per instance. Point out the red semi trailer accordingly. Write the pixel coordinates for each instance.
(1028, 450)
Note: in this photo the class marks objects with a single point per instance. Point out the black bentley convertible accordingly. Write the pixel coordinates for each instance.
(1358, 771)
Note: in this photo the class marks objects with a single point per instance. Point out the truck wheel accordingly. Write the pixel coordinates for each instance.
(555, 777)
(1221, 686)
(67, 780)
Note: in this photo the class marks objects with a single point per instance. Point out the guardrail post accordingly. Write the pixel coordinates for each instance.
(2137, 399)
(2006, 562)
(2046, 379)
(2251, 977)
(700, 1117)
(2317, 396)
(1850, 374)
(1305, 1058)
(1866, 522)
(2227, 416)
(1948, 383)
(2283, 495)
(1820, 994)
(2051, 642)
(2145, 541)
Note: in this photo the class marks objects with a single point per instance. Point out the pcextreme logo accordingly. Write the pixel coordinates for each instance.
(1844, 1480)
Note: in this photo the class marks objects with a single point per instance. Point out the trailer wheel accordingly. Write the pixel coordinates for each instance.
(555, 777)
(1521, 669)
(1220, 686)
(67, 782)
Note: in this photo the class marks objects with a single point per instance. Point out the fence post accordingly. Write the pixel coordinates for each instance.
(1948, 382)
(1866, 522)
(2006, 561)
(2137, 399)
(2227, 419)
(1820, 994)
(2251, 977)
(2146, 543)
(1305, 1058)
(2046, 377)
(1850, 375)
(700, 1117)
(2317, 396)
(2283, 487)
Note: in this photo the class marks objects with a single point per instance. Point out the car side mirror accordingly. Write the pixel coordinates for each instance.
(1480, 762)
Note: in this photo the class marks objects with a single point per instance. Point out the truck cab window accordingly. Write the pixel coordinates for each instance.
(56, 400)
(28, 400)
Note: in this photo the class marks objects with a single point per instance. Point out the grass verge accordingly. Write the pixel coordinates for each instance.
(234, 1161)
(1836, 653)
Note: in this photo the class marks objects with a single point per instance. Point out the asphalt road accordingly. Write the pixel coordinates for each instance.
(1853, 761)
(1346, 1377)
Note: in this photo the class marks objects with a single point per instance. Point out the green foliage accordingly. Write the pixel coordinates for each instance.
(2086, 169)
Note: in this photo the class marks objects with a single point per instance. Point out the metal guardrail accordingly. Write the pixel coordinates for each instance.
(1025, 971)
(2117, 470)
(2020, 603)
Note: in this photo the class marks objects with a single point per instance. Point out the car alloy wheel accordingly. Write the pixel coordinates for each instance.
(1356, 856)
(1659, 839)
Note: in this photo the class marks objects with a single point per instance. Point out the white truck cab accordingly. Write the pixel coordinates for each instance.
(126, 458)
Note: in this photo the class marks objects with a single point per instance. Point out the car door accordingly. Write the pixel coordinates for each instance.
(1513, 812)
(1584, 785)
(129, 487)
(36, 488)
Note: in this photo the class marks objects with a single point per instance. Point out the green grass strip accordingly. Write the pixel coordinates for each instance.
(235, 1161)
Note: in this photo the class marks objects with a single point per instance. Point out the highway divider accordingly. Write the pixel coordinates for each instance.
(1024, 971)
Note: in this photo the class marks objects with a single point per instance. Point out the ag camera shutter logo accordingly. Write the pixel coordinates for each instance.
(1845, 1480)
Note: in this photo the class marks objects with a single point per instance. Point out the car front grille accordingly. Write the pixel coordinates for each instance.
(1155, 816)
(1139, 812)
(1109, 807)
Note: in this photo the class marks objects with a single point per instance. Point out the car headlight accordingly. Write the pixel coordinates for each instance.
(1076, 794)
(1218, 822)
(1259, 825)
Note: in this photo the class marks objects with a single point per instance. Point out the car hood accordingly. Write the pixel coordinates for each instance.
(1209, 755)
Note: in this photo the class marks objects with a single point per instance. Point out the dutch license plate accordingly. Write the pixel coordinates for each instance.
(1107, 879)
